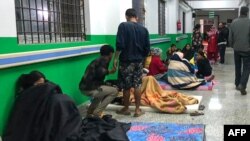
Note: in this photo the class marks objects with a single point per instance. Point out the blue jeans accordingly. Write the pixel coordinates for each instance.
(241, 76)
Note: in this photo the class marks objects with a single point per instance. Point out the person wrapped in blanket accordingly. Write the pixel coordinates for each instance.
(204, 67)
(41, 112)
(163, 100)
(181, 74)
(154, 63)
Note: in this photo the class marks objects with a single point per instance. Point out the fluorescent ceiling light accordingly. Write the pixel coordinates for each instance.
(217, 9)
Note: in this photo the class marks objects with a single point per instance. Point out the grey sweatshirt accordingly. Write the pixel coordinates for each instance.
(239, 34)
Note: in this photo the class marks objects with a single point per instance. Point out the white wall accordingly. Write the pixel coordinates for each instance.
(180, 17)
(223, 15)
(188, 18)
(8, 18)
(208, 4)
(172, 11)
(151, 16)
(105, 16)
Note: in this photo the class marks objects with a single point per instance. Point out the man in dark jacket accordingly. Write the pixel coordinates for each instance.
(239, 39)
(222, 41)
(132, 47)
(92, 83)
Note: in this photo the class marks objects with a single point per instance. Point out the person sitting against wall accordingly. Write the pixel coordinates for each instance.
(170, 52)
(188, 52)
(41, 112)
(92, 83)
(156, 67)
(204, 67)
(181, 74)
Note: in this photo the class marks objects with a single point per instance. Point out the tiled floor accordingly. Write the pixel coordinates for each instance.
(224, 105)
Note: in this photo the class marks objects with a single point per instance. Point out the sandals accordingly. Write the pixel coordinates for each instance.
(123, 112)
(196, 113)
(139, 114)
(201, 107)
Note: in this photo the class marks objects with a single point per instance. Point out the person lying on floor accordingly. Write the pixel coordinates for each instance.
(156, 67)
(163, 100)
(204, 67)
(92, 83)
(41, 112)
(181, 74)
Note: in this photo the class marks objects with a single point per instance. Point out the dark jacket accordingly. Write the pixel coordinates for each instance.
(204, 68)
(223, 36)
(42, 113)
(133, 42)
(239, 35)
(95, 74)
(188, 54)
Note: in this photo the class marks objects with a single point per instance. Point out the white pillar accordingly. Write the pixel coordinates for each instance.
(189, 22)
(173, 9)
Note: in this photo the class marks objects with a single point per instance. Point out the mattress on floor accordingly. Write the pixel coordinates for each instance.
(190, 108)
(206, 87)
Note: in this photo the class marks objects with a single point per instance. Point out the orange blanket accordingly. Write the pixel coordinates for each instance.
(166, 101)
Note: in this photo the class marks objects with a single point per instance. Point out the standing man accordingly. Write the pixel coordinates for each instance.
(92, 83)
(132, 47)
(239, 39)
(222, 41)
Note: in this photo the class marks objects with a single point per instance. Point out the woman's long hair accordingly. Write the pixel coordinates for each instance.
(26, 81)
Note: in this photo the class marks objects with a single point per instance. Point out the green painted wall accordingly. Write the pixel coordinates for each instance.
(65, 72)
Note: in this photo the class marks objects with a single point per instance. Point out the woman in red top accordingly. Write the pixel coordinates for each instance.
(156, 67)
(212, 49)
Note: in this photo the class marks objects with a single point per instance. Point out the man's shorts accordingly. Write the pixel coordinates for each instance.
(130, 75)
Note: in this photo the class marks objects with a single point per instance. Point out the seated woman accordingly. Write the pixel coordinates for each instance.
(188, 52)
(204, 67)
(156, 67)
(42, 113)
(181, 75)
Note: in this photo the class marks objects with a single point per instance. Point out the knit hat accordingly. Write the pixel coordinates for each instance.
(156, 51)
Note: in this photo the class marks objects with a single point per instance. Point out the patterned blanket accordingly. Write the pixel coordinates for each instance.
(180, 77)
(166, 101)
(140, 131)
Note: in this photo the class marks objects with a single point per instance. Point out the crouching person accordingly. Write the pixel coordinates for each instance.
(92, 83)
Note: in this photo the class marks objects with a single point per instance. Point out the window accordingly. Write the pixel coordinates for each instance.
(138, 5)
(161, 17)
(50, 21)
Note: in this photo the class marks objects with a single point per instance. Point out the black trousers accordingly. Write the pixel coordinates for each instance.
(241, 76)
(222, 49)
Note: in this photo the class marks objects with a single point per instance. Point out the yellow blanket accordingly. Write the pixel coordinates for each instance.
(166, 101)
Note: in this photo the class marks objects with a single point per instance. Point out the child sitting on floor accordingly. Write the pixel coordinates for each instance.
(204, 67)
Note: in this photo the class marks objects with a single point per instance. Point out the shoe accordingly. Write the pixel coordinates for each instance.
(237, 88)
(243, 92)
(123, 112)
(196, 113)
